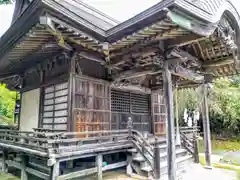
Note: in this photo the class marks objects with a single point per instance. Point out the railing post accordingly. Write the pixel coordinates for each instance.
(129, 157)
(4, 159)
(195, 146)
(55, 170)
(99, 162)
(130, 127)
(24, 162)
(157, 167)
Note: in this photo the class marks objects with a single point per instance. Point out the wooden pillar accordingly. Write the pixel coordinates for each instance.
(195, 146)
(24, 162)
(55, 170)
(178, 140)
(157, 162)
(71, 92)
(206, 127)
(129, 165)
(171, 151)
(4, 159)
(99, 162)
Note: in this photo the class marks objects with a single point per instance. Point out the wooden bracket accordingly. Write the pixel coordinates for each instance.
(50, 27)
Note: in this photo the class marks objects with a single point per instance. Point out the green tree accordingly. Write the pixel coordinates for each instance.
(7, 103)
(5, 2)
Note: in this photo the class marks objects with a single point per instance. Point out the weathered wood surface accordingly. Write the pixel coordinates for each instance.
(64, 144)
(24, 162)
(171, 157)
(91, 171)
(206, 126)
(4, 159)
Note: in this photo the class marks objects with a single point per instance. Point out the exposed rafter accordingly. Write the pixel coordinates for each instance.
(185, 40)
(217, 63)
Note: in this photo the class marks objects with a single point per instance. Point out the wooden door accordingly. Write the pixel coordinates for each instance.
(159, 114)
(92, 105)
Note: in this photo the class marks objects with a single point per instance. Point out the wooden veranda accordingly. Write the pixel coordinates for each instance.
(88, 79)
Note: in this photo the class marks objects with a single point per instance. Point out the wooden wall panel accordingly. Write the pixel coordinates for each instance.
(55, 108)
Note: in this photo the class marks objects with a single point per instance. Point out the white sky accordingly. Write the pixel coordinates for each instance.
(6, 12)
(120, 10)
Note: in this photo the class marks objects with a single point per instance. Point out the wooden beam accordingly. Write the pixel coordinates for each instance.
(171, 150)
(120, 58)
(92, 57)
(213, 64)
(185, 56)
(15, 164)
(28, 170)
(37, 173)
(134, 73)
(177, 71)
(185, 40)
(90, 171)
(187, 74)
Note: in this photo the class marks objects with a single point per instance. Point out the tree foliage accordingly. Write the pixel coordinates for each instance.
(5, 1)
(224, 104)
(7, 104)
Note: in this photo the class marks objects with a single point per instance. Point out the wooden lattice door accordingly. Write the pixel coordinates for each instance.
(159, 113)
(92, 105)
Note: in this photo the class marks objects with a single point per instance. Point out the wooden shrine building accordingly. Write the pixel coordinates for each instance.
(93, 87)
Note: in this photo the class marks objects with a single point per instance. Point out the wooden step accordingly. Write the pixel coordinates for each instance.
(163, 148)
(139, 159)
(147, 168)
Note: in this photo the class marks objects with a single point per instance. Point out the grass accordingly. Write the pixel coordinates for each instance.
(219, 146)
(5, 176)
(221, 166)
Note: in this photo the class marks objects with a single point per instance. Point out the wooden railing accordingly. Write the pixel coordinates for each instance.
(143, 146)
(45, 142)
(189, 140)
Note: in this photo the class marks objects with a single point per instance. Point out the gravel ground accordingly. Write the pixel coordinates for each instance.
(197, 172)
(194, 172)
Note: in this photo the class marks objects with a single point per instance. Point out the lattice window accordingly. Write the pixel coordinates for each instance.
(55, 108)
(120, 101)
(159, 113)
(139, 103)
(125, 104)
